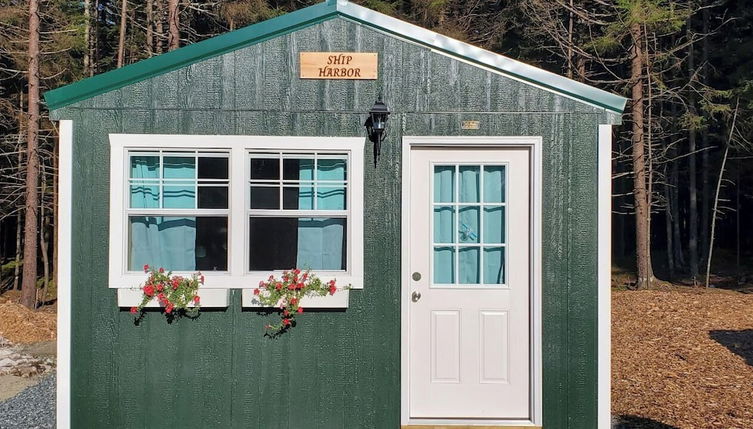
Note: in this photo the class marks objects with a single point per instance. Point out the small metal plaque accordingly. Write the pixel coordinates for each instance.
(416, 276)
(470, 125)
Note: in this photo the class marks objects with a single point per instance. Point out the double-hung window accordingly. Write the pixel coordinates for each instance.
(236, 208)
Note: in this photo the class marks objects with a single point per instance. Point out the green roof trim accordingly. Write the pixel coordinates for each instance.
(311, 15)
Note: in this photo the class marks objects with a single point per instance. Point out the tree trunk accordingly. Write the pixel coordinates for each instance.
(29, 284)
(159, 27)
(642, 233)
(150, 27)
(88, 70)
(668, 225)
(705, 161)
(570, 42)
(121, 36)
(692, 182)
(19, 218)
(173, 19)
(43, 238)
(95, 39)
(718, 191)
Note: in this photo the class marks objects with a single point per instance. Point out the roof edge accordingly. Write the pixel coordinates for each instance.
(507, 66)
(311, 15)
(187, 55)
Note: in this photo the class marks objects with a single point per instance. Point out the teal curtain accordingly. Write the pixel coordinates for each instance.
(321, 240)
(167, 242)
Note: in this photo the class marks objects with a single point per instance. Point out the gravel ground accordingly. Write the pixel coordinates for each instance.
(33, 408)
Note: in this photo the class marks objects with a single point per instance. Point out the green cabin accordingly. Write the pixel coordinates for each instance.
(459, 199)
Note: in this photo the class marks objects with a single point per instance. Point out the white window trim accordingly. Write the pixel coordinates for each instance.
(237, 276)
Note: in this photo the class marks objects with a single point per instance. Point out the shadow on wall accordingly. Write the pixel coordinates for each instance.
(738, 342)
(635, 422)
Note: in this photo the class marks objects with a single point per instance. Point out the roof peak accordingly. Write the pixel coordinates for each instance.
(315, 14)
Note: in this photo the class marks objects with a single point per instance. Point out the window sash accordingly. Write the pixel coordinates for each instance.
(237, 150)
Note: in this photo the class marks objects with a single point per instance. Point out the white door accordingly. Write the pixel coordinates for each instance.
(470, 287)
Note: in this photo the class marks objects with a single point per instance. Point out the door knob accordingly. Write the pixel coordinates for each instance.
(415, 296)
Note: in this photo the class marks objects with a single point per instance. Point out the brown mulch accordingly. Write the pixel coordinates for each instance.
(683, 357)
(20, 325)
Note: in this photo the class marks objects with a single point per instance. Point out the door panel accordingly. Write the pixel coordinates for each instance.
(470, 309)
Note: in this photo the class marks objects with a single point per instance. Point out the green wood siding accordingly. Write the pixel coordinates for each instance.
(337, 369)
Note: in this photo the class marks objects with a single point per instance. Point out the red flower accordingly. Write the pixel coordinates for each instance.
(278, 286)
(271, 278)
(293, 301)
(300, 309)
(305, 276)
(201, 279)
(134, 310)
(291, 286)
(285, 313)
(297, 271)
(161, 270)
(196, 299)
(161, 297)
(146, 267)
(300, 285)
(149, 290)
(332, 289)
(256, 291)
(169, 308)
(286, 322)
(160, 288)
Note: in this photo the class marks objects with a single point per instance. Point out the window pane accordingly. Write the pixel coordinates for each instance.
(468, 227)
(494, 224)
(468, 260)
(469, 184)
(330, 169)
(145, 167)
(494, 184)
(265, 197)
(444, 265)
(265, 168)
(179, 167)
(177, 243)
(179, 196)
(213, 197)
(144, 195)
(330, 198)
(298, 169)
(298, 198)
(494, 265)
(444, 224)
(444, 184)
(213, 168)
(278, 243)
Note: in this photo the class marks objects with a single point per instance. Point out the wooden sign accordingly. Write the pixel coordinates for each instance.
(339, 65)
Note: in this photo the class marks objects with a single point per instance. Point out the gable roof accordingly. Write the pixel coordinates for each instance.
(312, 15)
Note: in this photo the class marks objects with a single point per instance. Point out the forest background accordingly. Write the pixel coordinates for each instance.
(682, 193)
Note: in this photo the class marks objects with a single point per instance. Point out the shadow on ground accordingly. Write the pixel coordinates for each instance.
(738, 342)
(635, 422)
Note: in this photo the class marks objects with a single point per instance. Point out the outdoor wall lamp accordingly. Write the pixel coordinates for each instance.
(376, 124)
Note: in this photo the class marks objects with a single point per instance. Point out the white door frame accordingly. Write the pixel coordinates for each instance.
(534, 144)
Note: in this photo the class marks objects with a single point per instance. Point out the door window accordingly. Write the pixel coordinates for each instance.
(469, 224)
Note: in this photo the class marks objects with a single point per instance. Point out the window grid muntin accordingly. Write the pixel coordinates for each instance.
(161, 181)
(281, 184)
(172, 212)
(457, 205)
